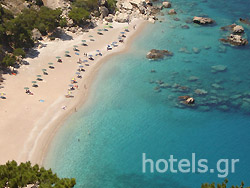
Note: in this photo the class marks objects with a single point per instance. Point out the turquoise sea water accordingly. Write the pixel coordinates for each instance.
(130, 113)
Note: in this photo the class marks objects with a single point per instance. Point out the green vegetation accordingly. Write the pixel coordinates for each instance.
(223, 185)
(15, 32)
(24, 174)
(82, 8)
(78, 15)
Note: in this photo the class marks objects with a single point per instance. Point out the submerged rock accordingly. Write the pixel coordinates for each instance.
(223, 108)
(193, 78)
(219, 68)
(196, 50)
(201, 92)
(172, 12)
(217, 86)
(245, 21)
(185, 27)
(158, 54)
(202, 20)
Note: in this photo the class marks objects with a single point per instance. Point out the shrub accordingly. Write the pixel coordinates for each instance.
(63, 22)
(19, 52)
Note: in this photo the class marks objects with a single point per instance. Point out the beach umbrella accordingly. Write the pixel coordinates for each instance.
(83, 40)
(66, 52)
(44, 70)
(77, 53)
(26, 88)
(58, 57)
(2, 94)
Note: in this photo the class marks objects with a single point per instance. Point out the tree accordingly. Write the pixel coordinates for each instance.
(78, 15)
(23, 174)
(19, 52)
(223, 185)
(8, 60)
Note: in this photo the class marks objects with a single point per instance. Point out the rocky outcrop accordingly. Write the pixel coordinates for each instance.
(202, 20)
(158, 54)
(143, 9)
(121, 17)
(235, 40)
(238, 29)
(166, 4)
(102, 2)
(36, 35)
(109, 18)
(186, 100)
(103, 11)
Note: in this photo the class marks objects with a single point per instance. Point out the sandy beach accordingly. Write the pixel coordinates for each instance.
(28, 123)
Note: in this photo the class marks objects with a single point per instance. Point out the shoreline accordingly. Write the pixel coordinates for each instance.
(36, 144)
(125, 48)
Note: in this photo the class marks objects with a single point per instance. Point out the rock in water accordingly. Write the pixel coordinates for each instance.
(238, 29)
(219, 68)
(158, 54)
(202, 20)
(235, 40)
(172, 12)
(166, 4)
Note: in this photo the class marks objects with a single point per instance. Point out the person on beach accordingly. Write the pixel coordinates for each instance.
(134, 27)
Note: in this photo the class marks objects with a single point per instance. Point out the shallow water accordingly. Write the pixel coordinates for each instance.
(129, 113)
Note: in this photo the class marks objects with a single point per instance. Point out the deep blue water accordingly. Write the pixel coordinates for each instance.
(129, 113)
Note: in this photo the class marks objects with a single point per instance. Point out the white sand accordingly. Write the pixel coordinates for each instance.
(27, 125)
